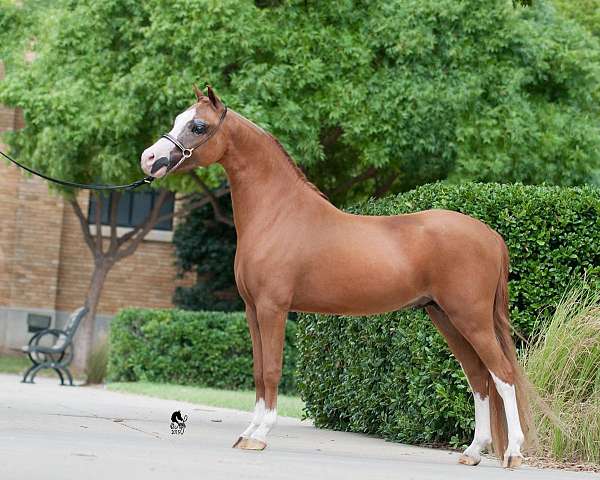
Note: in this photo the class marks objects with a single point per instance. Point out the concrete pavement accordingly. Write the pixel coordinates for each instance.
(53, 432)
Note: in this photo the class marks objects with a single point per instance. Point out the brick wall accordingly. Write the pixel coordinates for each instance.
(36, 247)
(45, 263)
(8, 206)
(8, 211)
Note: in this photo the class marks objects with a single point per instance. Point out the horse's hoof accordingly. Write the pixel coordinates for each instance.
(239, 442)
(512, 461)
(252, 444)
(467, 460)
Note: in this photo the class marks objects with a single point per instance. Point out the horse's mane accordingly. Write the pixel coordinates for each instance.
(296, 168)
(300, 174)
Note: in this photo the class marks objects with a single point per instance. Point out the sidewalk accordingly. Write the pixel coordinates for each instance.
(53, 432)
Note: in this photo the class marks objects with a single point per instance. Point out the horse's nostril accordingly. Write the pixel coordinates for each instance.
(160, 163)
(150, 157)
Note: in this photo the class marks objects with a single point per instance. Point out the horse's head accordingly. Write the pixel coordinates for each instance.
(196, 139)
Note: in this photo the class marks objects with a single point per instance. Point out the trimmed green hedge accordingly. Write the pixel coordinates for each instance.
(211, 349)
(392, 375)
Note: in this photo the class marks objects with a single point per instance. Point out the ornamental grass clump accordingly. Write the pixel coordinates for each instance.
(96, 370)
(564, 365)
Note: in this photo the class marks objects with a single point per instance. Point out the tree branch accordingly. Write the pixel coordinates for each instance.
(115, 198)
(382, 189)
(219, 215)
(368, 173)
(186, 197)
(192, 205)
(182, 211)
(135, 236)
(129, 235)
(85, 227)
(147, 226)
(98, 223)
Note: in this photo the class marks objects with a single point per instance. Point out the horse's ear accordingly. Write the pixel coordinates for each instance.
(198, 92)
(216, 101)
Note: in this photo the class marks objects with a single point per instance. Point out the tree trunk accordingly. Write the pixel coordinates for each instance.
(118, 249)
(84, 341)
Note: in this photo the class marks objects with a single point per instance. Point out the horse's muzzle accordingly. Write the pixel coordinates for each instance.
(160, 163)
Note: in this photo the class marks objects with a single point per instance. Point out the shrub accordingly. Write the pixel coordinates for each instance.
(392, 375)
(211, 349)
(206, 247)
(564, 364)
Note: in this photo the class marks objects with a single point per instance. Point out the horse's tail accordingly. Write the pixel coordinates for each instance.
(522, 386)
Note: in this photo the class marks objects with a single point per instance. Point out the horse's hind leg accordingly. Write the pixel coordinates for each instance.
(478, 377)
(477, 327)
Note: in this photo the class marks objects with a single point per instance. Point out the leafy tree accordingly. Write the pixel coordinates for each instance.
(584, 12)
(65, 135)
(370, 97)
(384, 96)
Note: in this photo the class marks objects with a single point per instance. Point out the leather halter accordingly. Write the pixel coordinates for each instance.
(187, 152)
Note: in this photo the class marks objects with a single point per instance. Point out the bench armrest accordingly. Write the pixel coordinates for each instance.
(35, 340)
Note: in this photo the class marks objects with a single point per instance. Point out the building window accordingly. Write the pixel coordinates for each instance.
(133, 209)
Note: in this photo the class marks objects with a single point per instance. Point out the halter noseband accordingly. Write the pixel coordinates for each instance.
(187, 152)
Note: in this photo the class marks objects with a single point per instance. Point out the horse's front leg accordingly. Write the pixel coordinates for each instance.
(271, 322)
(257, 365)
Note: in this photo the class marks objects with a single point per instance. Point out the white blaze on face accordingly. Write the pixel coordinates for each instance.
(163, 147)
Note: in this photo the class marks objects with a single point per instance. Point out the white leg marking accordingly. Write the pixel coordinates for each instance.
(259, 413)
(515, 434)
(483, 432)
(268, 422)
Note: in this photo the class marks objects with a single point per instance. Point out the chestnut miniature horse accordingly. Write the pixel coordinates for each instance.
(297, 252)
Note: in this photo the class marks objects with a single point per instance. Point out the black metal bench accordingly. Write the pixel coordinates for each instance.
(57, 353)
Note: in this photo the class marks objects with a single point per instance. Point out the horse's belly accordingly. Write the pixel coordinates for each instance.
(357, 289)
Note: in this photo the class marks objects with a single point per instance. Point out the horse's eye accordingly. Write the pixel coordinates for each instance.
(198, 127)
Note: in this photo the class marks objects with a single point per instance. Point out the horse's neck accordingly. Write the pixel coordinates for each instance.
(263, 181)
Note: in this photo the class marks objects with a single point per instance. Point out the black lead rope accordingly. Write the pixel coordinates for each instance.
(129, 186)
(186, 153)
